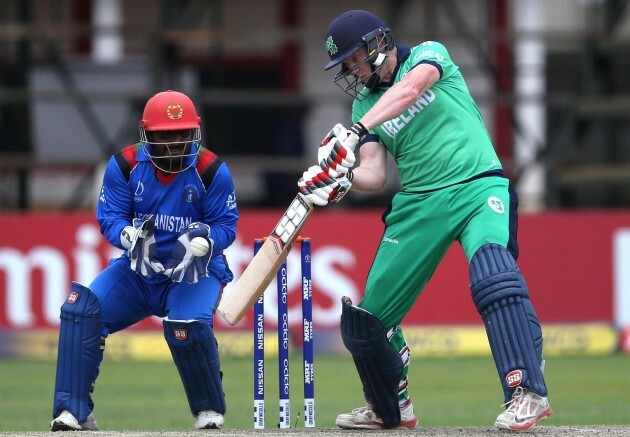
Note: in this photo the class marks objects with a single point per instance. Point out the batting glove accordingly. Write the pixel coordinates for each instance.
(181, 262)
(320, 188)
(336, 153)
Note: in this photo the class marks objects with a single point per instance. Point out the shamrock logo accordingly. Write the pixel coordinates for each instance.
(331, 46)
(496, 205)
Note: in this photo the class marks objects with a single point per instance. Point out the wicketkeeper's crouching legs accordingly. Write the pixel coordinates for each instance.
(502, 299)
(80, 352)
(196, 355)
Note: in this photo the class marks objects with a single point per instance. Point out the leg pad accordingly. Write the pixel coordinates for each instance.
(502, 299)
(378, 364)
(196, 355)
(79, 352)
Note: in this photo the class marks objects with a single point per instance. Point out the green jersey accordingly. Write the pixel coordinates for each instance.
(441, 139)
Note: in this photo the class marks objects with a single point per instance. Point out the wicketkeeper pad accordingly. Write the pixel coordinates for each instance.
(195, 352)
(79, 352)
(502, 299)
(378, 364)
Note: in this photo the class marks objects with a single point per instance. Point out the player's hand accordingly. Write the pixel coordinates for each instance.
(142, 250)
(345, 183)
(320, 188)
(336, 153)
(181, 262)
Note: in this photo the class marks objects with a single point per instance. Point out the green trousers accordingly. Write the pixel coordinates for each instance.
(419, 231)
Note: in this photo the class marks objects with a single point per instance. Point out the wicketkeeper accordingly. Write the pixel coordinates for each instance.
(413, 103)
(157, 196)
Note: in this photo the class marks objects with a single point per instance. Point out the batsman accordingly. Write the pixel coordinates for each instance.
(412, 103)
(169, 204)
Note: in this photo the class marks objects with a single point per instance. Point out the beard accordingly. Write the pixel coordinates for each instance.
(169, 158)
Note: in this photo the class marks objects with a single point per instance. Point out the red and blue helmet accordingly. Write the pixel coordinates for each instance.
(347, 33)
(170, 111)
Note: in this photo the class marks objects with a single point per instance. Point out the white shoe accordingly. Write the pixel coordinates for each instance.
(366, 418)
(525, 410)
(67, 422)
(209, 419)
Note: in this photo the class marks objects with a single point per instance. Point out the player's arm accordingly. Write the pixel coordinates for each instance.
(402, 95)
(220, 209)
(370, 176)
(114, 206)
(333, 177)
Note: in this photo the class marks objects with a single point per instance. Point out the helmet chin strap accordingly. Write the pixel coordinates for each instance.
(380, 58)
(375, 78)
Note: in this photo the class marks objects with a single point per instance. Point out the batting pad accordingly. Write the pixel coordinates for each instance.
(378, 364)
(79, 352)
(502, 299)
(194, 349)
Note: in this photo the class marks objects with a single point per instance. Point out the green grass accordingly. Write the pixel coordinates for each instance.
(446, 392)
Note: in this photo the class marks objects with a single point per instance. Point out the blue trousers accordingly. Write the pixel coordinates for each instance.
(127, 298)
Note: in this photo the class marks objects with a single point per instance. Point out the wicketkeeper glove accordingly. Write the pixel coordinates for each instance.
(181, 262)
(142, 248)
(336, 153)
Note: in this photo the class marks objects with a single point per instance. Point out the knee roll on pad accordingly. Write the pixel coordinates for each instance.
(502, 299)
(196, 355)
(79, 352)
(378, 364)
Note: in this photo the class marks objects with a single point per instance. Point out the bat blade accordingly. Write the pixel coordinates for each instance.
(262, 269)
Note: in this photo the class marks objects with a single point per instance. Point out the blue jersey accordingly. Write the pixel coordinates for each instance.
(204, 192)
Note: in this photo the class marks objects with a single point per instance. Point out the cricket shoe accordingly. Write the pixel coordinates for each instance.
(208, 419)
(366, 418)
(525, 410)
(67, 422)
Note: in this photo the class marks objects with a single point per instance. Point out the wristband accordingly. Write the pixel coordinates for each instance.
(359, 129)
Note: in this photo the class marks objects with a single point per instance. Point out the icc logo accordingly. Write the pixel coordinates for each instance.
(137, 196)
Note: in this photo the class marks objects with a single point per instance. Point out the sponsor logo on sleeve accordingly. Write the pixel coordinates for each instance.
(231, 201)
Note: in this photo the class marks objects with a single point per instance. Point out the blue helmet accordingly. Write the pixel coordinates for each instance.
(347, 33)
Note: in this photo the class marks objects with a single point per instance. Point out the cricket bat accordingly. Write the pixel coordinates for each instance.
(263, 268)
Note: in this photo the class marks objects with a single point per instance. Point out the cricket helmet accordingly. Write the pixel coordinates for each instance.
(347, 33)
(170, 111)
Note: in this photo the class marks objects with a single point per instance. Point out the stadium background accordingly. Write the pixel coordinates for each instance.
(551, 79)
